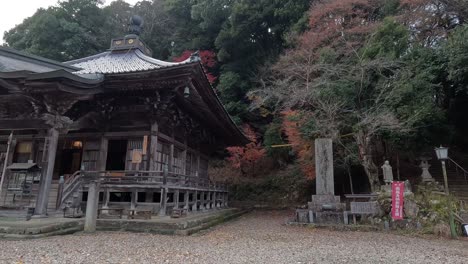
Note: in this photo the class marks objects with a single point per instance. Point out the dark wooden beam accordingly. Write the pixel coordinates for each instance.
(22, 124)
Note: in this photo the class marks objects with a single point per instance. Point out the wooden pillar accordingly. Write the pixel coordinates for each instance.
(171, 157)
(11, 154)
(162, 208)
(153, 147)
(223, 200)
(186, 198)
(101, 166)
(218, 203)
(133, 200)
(208, 201)
(106, 198)
(92, 206)
(164, 189)
(202, 201)
(46, 179)
(176, 199)
(213, 200)
(195, 201)
(102, 159)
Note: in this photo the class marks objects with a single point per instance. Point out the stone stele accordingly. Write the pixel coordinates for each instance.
(324, 166)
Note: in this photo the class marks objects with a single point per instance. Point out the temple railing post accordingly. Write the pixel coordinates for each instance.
(164, 189)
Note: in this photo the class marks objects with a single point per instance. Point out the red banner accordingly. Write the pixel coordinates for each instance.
(397, 200)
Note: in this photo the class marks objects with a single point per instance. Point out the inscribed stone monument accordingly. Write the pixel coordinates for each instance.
(325, 207)
(324, 166)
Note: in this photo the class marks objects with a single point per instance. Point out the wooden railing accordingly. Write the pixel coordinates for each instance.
(151, 179)
(459, 168)
(138, 179)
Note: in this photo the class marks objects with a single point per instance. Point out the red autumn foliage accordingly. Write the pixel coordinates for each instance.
(304, 149)
(208, 60)
(246, 157)
(339, 24)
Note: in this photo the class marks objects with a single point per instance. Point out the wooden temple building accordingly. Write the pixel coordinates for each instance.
(143, 128)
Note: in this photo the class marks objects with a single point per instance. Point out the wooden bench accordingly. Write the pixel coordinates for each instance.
(178, 212)
(139, 214)
(118, 210)
(361, 208)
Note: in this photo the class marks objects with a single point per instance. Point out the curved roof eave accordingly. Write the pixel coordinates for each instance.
(91, 79)
(220, 105)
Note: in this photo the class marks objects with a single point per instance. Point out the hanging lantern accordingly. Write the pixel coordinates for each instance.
(442, 153)
(186, 92)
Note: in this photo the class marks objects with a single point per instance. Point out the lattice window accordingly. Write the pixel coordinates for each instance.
(135, 145)
(90, 155)
(162, 155)
(178, 165)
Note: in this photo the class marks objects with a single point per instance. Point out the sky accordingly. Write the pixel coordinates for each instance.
(13, 12)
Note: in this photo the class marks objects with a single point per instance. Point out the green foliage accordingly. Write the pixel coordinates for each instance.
(274, 136)
(68, 31)
(253, 34)
(390, 40)
(457, 55)
(283, 188)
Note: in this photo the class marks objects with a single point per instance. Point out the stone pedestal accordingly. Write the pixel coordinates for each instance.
(326, 209)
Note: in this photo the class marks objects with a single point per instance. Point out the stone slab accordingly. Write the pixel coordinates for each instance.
(324, 166)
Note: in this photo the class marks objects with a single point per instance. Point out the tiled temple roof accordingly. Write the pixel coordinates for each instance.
(12, 60)
(120, 61)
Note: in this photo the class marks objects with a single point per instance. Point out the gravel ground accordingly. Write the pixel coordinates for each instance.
(258, 237)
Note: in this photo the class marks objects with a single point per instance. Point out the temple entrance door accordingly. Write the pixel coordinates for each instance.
(70, 161)
(116, 155)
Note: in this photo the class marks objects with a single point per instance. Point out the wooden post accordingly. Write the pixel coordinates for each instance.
(133, 200)
(218, 203)
(213, 200)
(5, 162)
(92, 206)
(101, 166)
(186, 198)
(102, 159)
(171, 158)
(106, 199)
(202, 201)
(176, 199)
(162, 209)
(154, 146)
(195, 201)
(46, 179)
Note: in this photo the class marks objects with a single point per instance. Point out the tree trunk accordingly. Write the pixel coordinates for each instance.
(364, 143)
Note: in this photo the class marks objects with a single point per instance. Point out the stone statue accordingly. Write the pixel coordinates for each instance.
(387, 172)
(424, 165)
(408, 188)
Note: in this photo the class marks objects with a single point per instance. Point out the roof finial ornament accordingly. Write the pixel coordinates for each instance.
(135, 25)
(195, 56)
